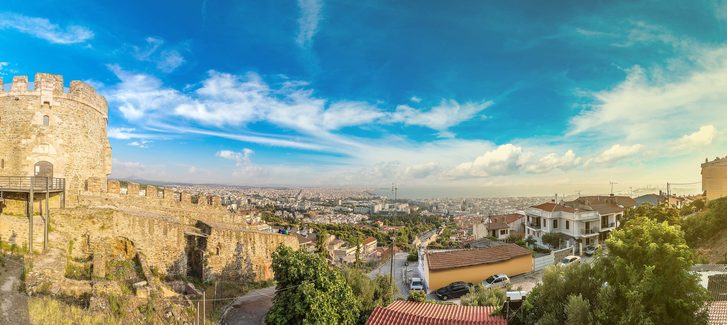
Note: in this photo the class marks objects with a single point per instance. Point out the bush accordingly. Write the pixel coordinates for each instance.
(413, 256)
(417, 295)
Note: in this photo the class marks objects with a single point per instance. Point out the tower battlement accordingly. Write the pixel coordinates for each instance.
(50, 87)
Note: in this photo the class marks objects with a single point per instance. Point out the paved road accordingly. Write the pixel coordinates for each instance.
(399, 269)
(250, 308)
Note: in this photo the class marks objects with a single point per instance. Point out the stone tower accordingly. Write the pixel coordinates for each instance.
(47, 130)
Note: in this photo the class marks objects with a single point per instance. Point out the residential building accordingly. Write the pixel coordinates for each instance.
(500, 226)
(401, 312)
(345, 254)
(369, 245)
(714, 178)
(584, 221)
(441, 268)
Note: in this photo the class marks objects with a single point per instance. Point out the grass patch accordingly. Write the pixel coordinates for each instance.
(44, 310)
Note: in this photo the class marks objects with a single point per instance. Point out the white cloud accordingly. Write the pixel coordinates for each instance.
(423, 170)
(310, 17)
(166, 60)
(645, 108)
(126, 134)
(617, 152)
(553, 161)
(503, 160)
(44, 29)
(702, 137)
(441, 117)
(139, 143)
(243, 162)
(415, 99)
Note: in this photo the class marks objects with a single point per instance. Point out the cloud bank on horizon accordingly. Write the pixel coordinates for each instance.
(318, 92)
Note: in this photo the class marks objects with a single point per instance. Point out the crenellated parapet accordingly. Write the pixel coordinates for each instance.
(49, 88)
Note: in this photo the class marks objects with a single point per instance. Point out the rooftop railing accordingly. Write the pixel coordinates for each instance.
(37, 183)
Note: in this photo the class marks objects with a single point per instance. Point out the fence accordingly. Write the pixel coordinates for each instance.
(541, 262)
(37, 183)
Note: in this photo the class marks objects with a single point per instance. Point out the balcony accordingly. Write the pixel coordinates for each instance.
(585, 232)
(608, 225)
(32, 183)
(534, 225)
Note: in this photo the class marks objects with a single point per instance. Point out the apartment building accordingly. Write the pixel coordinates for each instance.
(581, 222)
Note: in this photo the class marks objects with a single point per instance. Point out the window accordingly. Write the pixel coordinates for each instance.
(555, 224)
(503, 231)
(46, 120)
(2, 163)
(567, 224)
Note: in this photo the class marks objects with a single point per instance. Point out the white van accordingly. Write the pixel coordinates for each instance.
(416, 284)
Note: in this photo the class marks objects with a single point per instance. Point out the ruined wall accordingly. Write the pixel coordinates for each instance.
(235, 254)
(46, 123)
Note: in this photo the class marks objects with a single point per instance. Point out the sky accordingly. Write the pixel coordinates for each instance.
(483, 97)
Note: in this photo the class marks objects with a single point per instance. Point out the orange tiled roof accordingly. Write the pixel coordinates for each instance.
(551, 207)
(418, 313)
(718, 312)
(467, 257)
(369, 240)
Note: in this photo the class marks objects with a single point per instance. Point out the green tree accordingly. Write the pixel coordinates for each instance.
(482, 296)
(644, 279)
(322, 244)
(648, 267)
(552, 239)
(309, 291)
(369, 293)
(578, 311)
(659, 213)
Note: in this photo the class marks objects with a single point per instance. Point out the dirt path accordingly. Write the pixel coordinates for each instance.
(250, 308)
(13, 303)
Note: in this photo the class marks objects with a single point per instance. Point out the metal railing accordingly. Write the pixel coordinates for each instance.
(37, 183)
(589, 231)
(534, 225)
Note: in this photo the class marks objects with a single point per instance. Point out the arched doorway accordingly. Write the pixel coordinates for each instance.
(43, 169)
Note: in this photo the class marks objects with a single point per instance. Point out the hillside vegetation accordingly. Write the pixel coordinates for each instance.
(706, 231)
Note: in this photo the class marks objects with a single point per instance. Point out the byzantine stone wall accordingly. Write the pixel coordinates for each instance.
(67, 129)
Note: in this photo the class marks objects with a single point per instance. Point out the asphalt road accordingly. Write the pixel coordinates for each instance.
(399, 270)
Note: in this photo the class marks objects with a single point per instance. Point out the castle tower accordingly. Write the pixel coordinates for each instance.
(48, 130)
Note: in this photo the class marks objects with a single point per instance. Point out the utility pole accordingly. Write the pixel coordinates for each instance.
(204, 303)
(612, 186)
(391, 267)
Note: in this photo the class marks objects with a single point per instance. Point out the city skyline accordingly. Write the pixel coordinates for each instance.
(488, 96)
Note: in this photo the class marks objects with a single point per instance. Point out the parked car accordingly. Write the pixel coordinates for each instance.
(590, 250)
(496, 281)
(570, 260)
(453, 290)
(416, 284)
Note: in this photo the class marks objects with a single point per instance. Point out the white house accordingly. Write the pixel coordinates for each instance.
(500, 226)
(584, 221)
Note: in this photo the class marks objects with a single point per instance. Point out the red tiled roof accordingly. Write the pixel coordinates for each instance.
(467, 257)
(506, 218)
(418, 313)
(551, 207)
(369, 240)
(718, 312)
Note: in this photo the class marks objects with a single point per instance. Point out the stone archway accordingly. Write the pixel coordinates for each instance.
(43, 169)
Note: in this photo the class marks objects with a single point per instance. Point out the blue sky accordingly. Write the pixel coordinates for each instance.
(545, 96)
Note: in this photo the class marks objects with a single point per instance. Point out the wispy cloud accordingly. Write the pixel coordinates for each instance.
(310, 17)
(44, 29)
(441, 117)
(165, 59)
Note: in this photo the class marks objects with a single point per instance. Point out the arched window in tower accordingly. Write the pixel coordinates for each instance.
(46, 120)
